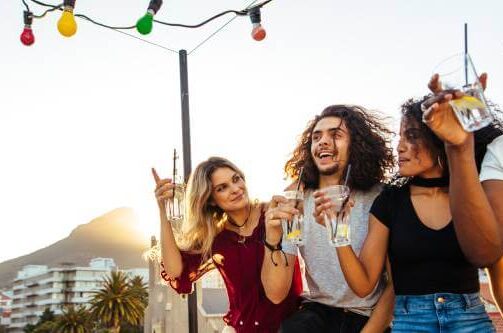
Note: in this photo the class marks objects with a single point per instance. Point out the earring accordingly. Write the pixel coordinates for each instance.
(439, 161)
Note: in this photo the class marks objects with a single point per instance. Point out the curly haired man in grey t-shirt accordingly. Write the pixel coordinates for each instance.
(341, 135)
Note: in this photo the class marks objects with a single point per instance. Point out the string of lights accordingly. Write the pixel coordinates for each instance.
(67, 26)
(47, 11)
(238, 13)
(221, 28)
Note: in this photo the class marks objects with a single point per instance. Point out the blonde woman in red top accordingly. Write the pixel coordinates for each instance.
(222, 229)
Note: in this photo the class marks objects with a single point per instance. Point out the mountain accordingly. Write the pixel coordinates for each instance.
(113, 235)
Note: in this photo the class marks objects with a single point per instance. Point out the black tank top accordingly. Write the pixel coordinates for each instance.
(423, 260)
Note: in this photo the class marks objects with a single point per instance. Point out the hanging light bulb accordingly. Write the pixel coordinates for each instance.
(258, 32)
(145, 24)
(66, 24)
(27, 37)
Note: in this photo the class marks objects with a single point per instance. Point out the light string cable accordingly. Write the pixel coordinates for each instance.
(52, 8)
(237, 12)
(59, 7)
(243, 12)
(116, 29)
(248, 8)
(119, 29)
(85, 17)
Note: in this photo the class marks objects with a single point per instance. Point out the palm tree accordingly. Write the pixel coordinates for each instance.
(117, 302)
(140, 288)
(73, 320)
(46, 327)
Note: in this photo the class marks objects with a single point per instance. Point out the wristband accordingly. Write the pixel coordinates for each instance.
(273, 249)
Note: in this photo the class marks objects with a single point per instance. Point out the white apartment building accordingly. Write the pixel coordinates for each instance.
(132, 272)
(5, 308)
(38, 287)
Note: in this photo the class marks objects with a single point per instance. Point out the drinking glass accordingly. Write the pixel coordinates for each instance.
(337, 218)
(458, 73)
(176, 204)
(293, 230)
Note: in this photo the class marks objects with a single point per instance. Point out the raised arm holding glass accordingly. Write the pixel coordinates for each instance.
(477, 197)
(222, 229)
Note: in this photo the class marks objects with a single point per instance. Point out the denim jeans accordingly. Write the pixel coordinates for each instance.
(441, 313)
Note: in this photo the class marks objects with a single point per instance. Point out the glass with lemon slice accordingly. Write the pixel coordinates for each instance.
(293, 229)
(458, 73)
(337, 217)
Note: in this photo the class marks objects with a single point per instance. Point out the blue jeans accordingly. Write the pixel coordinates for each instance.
(441, 313)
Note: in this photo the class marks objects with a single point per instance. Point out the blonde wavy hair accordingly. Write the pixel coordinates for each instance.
(202, 221)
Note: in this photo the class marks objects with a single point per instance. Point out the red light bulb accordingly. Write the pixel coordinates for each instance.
(258, 32)
(27, 37)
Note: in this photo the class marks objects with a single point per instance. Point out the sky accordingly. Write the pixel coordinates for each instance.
(83, 119)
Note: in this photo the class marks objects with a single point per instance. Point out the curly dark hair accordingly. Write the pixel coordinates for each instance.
(411, 111)
(370, 152)
(412, 114)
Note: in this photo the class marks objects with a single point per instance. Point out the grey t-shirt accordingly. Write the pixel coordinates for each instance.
(323, 279)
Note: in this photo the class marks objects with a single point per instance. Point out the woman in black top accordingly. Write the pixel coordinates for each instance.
(436, 286)
(474, 198)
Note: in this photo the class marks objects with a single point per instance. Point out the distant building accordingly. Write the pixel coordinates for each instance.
(167, 312)
(38, 287)
(5, 309)
(143, 272)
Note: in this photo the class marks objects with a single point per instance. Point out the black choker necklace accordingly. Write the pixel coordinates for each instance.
(430, 182)
(231, 220)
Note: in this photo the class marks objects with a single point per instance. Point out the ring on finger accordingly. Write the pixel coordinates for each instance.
(424, 108)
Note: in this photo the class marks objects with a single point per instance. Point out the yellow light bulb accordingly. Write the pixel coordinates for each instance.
(66, 24)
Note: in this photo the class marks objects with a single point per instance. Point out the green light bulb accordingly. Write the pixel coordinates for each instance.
(145, 24)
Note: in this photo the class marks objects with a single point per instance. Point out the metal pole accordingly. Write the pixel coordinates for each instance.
(466, 54)
(184, 91)
(187, 165)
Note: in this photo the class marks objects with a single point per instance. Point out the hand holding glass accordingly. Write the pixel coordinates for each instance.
(458, 73)
(337, 217)
(176, 204)
(293, 229)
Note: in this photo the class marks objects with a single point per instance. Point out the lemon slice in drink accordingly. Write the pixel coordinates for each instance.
(293, 234)
(342, 230)
(468, 102)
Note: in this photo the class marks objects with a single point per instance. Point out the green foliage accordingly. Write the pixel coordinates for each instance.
(73, 320)
(118, 301)
(47, 315)
(41, 326)
(139, 288)
(46, 327)
(119, 304)
(29, 328)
